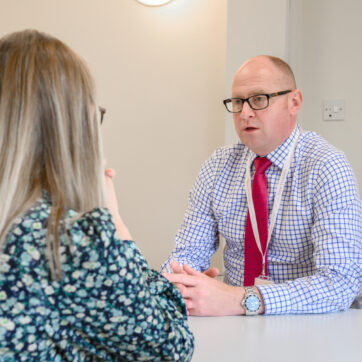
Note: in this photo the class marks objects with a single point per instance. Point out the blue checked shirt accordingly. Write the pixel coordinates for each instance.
(315, 253)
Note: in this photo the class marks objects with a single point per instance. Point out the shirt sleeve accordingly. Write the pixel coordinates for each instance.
(113, 304)
(198, 238)
(336, 236)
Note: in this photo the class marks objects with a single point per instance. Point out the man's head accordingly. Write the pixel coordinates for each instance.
(266, 129)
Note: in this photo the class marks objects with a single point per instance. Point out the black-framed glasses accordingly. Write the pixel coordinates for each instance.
(102, 111)
(257, 102)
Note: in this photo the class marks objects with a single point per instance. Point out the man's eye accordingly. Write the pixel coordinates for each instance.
(258, 98)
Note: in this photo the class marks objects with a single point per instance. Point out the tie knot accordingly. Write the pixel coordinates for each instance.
(261, 164)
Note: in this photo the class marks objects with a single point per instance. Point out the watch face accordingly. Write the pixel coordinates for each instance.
(252, 303)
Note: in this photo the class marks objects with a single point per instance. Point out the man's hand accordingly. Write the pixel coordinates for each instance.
(204, 295)
(177, 269)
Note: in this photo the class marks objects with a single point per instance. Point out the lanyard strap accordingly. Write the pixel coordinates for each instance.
(277, 199)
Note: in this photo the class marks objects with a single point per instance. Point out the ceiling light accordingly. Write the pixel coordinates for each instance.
(154, 2)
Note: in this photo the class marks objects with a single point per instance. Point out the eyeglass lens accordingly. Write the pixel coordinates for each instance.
(255, 102)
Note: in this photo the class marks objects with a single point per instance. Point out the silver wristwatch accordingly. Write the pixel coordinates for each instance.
(251, 302)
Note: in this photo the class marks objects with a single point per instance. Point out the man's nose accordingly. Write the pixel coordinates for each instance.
(247, 111)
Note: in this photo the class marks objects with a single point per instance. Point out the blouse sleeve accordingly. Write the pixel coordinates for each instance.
(113, 303)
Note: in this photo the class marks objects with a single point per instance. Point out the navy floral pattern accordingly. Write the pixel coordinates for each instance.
(109, 304)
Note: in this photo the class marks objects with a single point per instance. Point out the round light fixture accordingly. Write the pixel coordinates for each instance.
(154, 2)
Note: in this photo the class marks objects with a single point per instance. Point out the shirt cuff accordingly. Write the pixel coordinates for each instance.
(277, 298)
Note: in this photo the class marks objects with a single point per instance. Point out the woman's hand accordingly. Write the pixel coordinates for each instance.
(112, 204)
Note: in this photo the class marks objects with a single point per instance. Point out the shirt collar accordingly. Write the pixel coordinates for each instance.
(278, 156)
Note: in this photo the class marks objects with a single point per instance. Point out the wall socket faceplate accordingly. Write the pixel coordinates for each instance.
(333, 110)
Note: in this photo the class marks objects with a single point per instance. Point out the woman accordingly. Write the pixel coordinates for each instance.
(70, 289)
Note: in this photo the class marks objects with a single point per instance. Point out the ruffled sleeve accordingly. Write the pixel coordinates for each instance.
(111, 303)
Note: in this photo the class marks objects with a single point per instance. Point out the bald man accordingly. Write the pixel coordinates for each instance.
(303, 255)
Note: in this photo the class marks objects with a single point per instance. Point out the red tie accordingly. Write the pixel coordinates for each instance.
(253, 258)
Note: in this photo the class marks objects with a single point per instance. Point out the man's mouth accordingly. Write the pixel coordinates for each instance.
(250, 129)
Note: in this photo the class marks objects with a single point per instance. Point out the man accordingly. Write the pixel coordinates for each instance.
(310, 262)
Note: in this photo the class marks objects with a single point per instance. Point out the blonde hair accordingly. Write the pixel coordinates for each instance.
(49, 133)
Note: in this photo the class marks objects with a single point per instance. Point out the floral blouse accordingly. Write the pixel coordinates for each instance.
(109, 304)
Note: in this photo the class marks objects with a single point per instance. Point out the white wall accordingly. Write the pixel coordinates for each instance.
(326, 54)
(322, 42)
(253, 28)
(161, 75)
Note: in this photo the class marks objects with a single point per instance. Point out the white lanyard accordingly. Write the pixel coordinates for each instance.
(277, 199)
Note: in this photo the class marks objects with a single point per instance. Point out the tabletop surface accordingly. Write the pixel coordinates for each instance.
(308, 338)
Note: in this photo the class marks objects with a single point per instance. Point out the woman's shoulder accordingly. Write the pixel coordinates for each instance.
(94, 233)
(27, 235)
(97, 221)
(81, 235)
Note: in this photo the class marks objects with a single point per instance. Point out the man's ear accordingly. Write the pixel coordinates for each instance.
(295, 101)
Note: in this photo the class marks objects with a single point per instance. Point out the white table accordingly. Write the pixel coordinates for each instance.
(333, 337)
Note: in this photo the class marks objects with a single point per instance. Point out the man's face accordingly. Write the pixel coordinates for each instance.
(266, 129)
